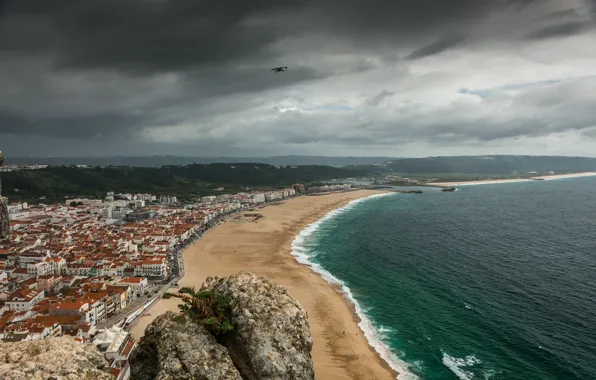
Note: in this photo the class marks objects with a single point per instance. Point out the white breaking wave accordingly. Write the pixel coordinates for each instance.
(373, 335)
(457, 365)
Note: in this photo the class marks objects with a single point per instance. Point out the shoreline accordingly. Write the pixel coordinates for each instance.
(341, 347)
(365, 324)
(512, 180)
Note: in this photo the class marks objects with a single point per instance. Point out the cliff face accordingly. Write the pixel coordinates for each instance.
(4, 224)
(271, 339)
(57, 358)
(272, 336)
(176, 348)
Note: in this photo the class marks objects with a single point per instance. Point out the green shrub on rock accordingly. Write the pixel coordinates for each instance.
(210, 310)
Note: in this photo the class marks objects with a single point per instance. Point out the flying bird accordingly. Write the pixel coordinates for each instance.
(280, 69)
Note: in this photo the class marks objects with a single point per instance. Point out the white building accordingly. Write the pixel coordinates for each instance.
(57, 265)
(151, 268)
(136, 203)
(86, 202)
(257, 198)
(127, 196)
(97, 311)
(272, 196)
(117, 213)
(117, 203)
(24, 299)
(167, 199)
(39, 269)
(17, 208)
(145, 197)
(138, 284)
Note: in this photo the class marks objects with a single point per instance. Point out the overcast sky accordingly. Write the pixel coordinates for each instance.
(393, 78)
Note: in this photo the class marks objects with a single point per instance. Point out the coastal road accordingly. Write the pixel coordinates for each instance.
(138, 303)
(177, 270)
(130, 309)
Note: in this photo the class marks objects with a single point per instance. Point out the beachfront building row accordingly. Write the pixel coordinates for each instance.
(328, 188)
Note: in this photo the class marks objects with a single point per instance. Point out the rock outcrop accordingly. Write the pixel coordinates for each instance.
(271, 338)
(173, 347)
(56, 358)
(4, 223)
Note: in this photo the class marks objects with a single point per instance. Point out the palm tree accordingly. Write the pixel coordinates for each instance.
(210, 310)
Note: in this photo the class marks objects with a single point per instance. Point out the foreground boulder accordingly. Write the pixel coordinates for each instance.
(56, 358)
(271, 339)
(173, 347)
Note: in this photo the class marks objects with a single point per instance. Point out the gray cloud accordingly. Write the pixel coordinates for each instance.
(377, 99)
(173, 74)
(156, 35)
(560, 30)
(437, 46)
(563, 14)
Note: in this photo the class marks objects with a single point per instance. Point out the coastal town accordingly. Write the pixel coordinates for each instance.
(89, 268)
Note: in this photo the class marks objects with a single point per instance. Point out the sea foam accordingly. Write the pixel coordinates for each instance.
(458, 365)
(374, 335)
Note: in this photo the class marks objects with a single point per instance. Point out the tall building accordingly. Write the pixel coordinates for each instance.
(4, 223)
(299, 188)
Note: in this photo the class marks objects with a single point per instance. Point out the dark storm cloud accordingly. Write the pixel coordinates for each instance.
(196, 94)
(104, 125)
(173, 35)
(398, 20)
(139, 35)
(563, 14)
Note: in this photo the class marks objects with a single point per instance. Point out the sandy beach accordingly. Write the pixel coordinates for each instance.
(340, 350)
(487, 181)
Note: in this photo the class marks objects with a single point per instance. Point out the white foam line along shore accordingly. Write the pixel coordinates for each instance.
(372, 333)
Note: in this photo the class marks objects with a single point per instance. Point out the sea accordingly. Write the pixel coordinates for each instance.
(490, 282)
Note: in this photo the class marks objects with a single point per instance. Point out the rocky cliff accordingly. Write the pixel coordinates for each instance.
(176, 348)
(4, 224)
(271, 338)
(57, 358)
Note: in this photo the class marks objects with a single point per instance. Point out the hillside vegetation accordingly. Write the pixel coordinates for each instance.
(490, 165)
(196, 179)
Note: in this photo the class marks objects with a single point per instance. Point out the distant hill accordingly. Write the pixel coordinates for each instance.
(483, 165)
(429, 165)
(158, 161)
(197, 179)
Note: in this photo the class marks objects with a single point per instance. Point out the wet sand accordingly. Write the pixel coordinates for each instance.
(340, 350)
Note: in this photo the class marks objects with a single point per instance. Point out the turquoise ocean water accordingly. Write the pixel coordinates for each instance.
(489, 282)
